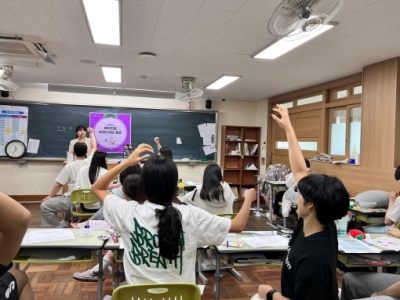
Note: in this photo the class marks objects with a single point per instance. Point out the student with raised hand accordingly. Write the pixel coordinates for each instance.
(161, 238)
(309, 270)
(166, 151)
(68, 175)
(14, 221)
(214, 195)
(130, 188)
(80, 138)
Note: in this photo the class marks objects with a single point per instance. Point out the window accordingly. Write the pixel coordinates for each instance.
(288, 104)
(306, 146)
(345, 131)
(309, 100)
(357, 90)
(345, 92)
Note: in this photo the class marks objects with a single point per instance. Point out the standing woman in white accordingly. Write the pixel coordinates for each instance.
(80, 137)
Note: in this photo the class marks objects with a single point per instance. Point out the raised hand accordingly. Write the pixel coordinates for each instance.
(136, 157)
(284, 120)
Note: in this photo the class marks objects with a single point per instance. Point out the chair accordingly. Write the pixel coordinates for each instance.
(81, 197)
(158, 291)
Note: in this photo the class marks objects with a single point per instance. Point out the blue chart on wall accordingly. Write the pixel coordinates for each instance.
(54, 125)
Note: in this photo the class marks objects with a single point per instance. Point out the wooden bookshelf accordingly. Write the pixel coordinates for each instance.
(234, 165)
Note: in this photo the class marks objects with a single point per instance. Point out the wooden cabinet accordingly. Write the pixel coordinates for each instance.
(240, 148)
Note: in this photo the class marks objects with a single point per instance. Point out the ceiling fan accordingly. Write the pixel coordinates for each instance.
(6, 83)
(296, 19)
(189, 92)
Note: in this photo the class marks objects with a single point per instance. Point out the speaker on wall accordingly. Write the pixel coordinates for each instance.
(208, 103)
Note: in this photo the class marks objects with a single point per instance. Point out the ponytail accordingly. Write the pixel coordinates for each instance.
(169, 232)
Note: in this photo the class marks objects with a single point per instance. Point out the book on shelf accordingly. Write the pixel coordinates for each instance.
(233, 138)
(254, 149)
(250, 140)
(239, 148)
(234, 191)
(245, 149)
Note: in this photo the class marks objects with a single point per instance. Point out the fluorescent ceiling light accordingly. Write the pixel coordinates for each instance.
(221, 82)
(104, 20)
(282, 46)
(112, 74)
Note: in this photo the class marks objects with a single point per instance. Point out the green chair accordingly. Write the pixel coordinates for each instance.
(158, 291)
(229, 216)
(81, 197)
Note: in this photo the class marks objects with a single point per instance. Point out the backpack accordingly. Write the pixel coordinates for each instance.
(354, 224)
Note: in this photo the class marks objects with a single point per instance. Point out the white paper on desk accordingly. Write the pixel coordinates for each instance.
(350, 245)
(178, 141)
(33, 146)
(261, 233)
(209, 149)
(99, 224)
(50, 235)
(231, 237)
(386, 242)
(121, 244)
(211, 128)
(202, 129)
(266, 241)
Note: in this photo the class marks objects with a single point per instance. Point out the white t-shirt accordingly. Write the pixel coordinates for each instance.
(137, 224)
(83, 183)
(394, 213)
(69, 174)
(215, 207)
(118, 192)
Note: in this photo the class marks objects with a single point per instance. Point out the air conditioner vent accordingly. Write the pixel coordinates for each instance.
(14, 48)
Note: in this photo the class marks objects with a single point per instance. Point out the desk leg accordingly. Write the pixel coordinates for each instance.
(271, 209)
(100, 275)
(379, 269)
(117, 275)
(218, 277)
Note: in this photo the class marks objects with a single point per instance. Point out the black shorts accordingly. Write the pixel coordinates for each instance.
(8, 287)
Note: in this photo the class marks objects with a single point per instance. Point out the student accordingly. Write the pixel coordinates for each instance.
(53, 203)
(161, 238)
(371, 286)
(88, 175)
(130, 189)
(214, 195)
(14, 221)
(80, 138)
(392, 216)
(166, 151)
(309, 270)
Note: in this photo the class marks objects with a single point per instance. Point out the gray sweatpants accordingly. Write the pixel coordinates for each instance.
(359, 285)
(49, 210)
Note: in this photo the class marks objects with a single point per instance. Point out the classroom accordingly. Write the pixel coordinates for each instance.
(204, 77)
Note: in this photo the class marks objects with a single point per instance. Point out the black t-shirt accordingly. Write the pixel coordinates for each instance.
(309, 270)
(4, 269)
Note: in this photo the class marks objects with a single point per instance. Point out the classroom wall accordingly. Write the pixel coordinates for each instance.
(37, 177)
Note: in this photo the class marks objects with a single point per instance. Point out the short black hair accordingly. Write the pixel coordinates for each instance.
(135, 169)
(328, 194)
(80, 149)
(130, 186)
(166, 151)
(78, 128)
(397, 173)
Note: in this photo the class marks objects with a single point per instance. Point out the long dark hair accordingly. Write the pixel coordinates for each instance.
(98, 161)
(158, 185)
(79, 127)
(212, 188)
(135, 169)
(130, 186)
(166, 151)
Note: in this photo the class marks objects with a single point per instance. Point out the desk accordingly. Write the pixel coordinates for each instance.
(374, 216)
(92, 243)
(110, 164)
(223, 250)
(275, 186)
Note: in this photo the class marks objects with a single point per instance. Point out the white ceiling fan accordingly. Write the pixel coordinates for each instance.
(188, 93)
(296, 19)
(6, 83)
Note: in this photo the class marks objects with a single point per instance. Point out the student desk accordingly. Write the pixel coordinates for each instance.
(110, 164)
(373, 216)
(246, 249)
(92, 243)
(275, 186)
(392, 257)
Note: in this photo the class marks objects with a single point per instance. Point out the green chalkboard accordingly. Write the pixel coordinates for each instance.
(54, 125)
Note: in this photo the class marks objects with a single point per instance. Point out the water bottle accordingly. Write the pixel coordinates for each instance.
(181, 187)
(86, 231)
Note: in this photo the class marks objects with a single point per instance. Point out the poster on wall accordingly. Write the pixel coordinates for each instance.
(112, 131)
(13, 125)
